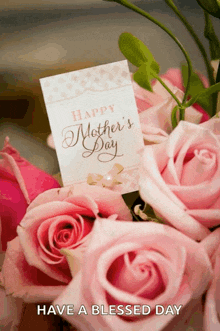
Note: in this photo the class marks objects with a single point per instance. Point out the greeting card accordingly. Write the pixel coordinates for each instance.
(95, 126)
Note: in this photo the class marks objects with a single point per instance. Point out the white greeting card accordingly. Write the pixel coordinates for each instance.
(95, 124)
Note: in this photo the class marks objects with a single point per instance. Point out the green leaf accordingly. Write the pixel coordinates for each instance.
(211, 6)
(144, 76)
(206, 93)
(155, 67)
(196, 86)
(135, 51)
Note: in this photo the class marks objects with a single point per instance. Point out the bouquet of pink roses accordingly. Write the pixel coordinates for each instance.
(81, 253)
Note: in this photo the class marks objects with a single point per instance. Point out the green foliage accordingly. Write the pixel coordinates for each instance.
(135, 50)
(206, 93)
(196, 86)
(211, 6)
(143, 77)
(139, 55)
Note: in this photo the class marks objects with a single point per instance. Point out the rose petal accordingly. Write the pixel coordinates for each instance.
(12, 209)
(166, 169)
(31, 179)
(212, 307)
(153, 135)
(194, 197)
(165, 267)
(75, 256)
(201, 168)
(31, 285)
(46, 234)
(85, 202)
(110, 237)
(27, 232)
(151, 169)
(108, 202)
(106, 233)
(211, 242)
(10, 161)
(155, 117)
(172, 213)
(208, 218)
(20, 183)
(213, 124)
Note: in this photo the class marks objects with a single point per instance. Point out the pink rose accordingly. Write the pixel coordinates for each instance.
(155, 108)
(180, 179)
(139, 264)
(56, 219)
(20, 183)
(212, 302)
(213, 124)
(146, 99)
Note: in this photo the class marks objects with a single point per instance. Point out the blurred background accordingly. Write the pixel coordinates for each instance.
(56, 36)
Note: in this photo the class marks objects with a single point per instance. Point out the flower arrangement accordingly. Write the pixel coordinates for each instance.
(105, 266)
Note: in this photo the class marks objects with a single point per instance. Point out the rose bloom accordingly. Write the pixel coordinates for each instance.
(142, 263)
(155, 107)
(34, 268)
(212, 301)
(180, 178)
(20, 183)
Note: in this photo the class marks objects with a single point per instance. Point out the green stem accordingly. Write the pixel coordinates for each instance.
(146, 208)
(140, 11)
(196, 39)
(208, 26)
(168, 90)
(182, 114)
(179, 106)
(174, 117)
(212, 89)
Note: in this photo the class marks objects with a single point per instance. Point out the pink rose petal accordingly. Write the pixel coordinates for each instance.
(31, 285)
(56, 220)
(212, 307)
(119, 253)
(20, 183)
(180, 179)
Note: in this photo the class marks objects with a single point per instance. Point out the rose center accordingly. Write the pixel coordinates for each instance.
(205, 156)
(199, 168)
(63, 236)
(138, 275)
(143, 268)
